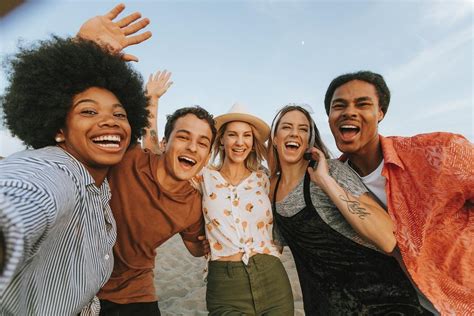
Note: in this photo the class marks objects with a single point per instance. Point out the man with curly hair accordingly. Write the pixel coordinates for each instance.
(426, 183)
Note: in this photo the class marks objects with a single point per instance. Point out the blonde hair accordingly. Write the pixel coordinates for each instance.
(253, 162)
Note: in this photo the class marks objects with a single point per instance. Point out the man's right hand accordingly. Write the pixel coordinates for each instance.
(116, 36)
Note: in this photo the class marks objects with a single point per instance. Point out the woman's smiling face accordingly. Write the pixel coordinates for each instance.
(97, 131)
(292, 136)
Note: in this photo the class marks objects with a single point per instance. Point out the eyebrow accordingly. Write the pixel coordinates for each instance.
(189, 133)
(299, 125)
(364, 99)
(115, 105)
(360, 99)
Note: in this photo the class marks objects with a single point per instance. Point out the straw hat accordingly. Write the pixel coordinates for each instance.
(238, 112)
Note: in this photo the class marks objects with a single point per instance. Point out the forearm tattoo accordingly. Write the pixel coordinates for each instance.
(355, 207)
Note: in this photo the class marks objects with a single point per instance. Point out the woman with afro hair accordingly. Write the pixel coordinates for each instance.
(79, 107)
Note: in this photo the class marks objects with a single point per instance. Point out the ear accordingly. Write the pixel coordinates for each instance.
(380, 115)
(60, 137)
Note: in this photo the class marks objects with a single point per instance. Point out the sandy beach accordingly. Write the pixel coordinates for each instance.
(180, 285)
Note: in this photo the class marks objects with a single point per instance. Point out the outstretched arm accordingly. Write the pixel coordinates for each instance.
(156, 86)
(116, 36)
(363, 213)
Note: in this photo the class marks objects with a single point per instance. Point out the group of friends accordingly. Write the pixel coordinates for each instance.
(386, 229)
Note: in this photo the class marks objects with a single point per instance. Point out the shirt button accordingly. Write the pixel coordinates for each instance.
(107, 257)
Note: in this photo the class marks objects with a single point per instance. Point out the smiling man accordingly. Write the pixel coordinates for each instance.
(426, 183)
(152, 200)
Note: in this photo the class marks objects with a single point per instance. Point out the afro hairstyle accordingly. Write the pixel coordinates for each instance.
(44, 78)
(373, 78)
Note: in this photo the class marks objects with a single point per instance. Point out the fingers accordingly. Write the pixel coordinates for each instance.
(166, 76)
(129, 57)
(135, 27)
(115, 11)
(137, 39)
(317, 154)
(157, 75)
(126, 21)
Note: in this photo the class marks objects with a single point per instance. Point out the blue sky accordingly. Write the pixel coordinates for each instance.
(269, 53)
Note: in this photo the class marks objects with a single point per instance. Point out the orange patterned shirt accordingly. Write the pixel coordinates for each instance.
(430, 197)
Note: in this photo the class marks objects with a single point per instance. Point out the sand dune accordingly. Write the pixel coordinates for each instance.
(180, 286)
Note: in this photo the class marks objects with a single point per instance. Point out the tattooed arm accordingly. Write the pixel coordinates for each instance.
(363, 213)
(156, 86)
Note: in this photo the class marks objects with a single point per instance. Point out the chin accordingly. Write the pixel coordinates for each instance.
(109, 162)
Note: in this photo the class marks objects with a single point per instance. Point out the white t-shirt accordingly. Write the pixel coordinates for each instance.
(376, 183)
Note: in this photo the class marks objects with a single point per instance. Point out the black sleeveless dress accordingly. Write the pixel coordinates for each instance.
(339, 276)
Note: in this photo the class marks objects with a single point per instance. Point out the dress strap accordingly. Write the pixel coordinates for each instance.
(275, 194)
(307, 180)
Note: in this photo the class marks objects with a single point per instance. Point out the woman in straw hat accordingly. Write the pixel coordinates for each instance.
(245, 273)
(339, 236)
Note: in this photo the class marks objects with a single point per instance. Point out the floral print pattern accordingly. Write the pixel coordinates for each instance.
(238, 218)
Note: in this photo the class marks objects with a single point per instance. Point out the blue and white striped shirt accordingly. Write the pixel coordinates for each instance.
(58, 231)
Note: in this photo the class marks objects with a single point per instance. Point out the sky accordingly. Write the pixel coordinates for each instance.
(266, 54)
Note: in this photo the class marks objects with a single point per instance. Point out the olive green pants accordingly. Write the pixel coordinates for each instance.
(260, 288)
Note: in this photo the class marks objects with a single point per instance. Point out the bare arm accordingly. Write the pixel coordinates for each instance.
(156, 86)
(364, 214)
(198, 248)
(116, 36)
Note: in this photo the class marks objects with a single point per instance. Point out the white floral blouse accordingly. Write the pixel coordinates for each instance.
(238, 218)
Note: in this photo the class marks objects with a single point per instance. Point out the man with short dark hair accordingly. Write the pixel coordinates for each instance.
(426, 183)
(152, 200)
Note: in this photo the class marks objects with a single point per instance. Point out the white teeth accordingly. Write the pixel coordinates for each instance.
(293, 144)
(240, 150)
(349, 126)
(109, 145)
(188, 159)
(111, 138)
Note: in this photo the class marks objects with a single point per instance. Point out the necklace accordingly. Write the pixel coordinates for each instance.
(236, 180)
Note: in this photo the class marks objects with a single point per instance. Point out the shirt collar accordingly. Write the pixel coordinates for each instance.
(388, 150)
(81, 170)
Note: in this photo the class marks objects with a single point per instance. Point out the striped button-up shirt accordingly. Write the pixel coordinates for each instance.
(58, 232)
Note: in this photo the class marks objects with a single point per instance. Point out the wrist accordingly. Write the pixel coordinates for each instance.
(325, 182)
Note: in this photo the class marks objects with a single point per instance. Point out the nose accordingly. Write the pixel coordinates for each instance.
(108, 120)
(294, 131)
(240, 140)
(192, 146)
(349, 111)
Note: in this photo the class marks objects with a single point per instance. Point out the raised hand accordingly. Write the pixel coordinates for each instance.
(319, 174)
(158, 84)
(116, 36)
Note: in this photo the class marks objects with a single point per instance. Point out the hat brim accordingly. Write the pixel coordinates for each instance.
(262, 128)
